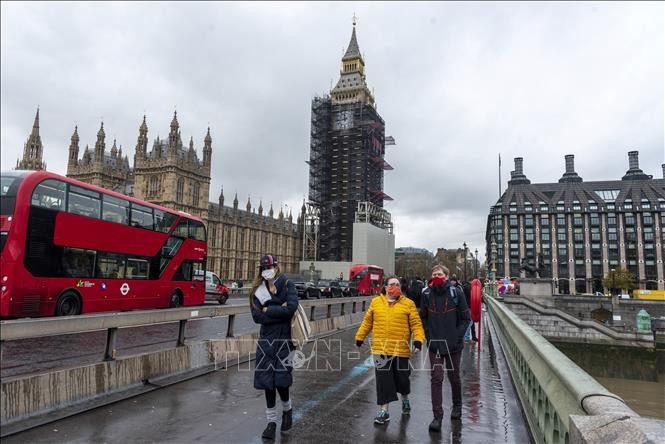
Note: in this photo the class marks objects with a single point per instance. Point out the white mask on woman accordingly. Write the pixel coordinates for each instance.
(268, 274)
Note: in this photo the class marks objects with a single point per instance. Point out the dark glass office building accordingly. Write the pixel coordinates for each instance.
(578, 231)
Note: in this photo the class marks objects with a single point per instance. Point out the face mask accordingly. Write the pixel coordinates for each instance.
(268, 274)
(394, 292)
(438, 280)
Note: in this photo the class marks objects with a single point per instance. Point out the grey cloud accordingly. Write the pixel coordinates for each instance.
(456, 83)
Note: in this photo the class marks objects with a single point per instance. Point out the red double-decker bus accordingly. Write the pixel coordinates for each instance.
(67, 247)
(368, 279)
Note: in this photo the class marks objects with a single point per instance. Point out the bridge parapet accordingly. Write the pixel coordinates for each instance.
(556, 394)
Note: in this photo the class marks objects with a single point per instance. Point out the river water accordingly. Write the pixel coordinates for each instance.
(636, 375)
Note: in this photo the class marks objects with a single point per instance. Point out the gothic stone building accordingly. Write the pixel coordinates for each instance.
(174, 176)
(33, 150)
(579, 230)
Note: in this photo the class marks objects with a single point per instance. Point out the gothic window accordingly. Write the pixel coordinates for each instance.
(180, 190)
(154, 186)
(195, 194)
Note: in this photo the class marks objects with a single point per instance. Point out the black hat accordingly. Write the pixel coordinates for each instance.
(268, 261)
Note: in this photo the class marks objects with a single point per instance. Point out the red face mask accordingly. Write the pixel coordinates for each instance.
(394, 292)
(438, 281)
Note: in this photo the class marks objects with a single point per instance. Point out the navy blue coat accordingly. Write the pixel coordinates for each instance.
(274, 344)
(446, 317)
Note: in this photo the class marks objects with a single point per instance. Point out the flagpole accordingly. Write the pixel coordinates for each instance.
(499, 175)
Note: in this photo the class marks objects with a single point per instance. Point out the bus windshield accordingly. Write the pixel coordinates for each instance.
(9, 183)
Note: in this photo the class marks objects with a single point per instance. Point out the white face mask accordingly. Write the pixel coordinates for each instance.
(268, 274)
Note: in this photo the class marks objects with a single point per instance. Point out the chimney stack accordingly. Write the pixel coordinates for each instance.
(517, 177)
(634, 172)
(633, 160)
(570, 175)
(518, 166)
(570, 163)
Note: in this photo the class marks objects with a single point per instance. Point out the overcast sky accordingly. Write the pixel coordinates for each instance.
(456, 83)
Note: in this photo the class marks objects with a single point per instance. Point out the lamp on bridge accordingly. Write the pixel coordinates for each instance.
(613, 283)
(476, 264)
(465, 254)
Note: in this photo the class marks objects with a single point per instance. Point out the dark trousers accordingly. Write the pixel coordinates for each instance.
(452, 366)
(392, 377)
(271, 396)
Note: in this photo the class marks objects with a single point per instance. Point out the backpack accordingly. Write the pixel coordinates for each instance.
(453, 296)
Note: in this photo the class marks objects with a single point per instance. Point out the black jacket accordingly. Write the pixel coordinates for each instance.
(445, 316)
(274, 344)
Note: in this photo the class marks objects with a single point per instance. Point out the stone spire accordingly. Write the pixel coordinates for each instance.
(100, 145)
(114, 149)
(235, 201)
(174, 136)
(221, 198)
(207, 150)
(74, 145)
(87, 157)
(352, 86)
(260, 208)
(142, 141)
(191, 155)
(270, 212)
(249, 205)
(33, 150)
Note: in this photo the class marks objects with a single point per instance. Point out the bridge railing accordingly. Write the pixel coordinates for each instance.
(33, 328)
(551, 387)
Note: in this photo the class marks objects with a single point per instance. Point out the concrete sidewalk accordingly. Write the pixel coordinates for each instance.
(334, 400)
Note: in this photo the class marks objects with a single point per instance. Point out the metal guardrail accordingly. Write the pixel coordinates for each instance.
(551, 387)
(34, 328)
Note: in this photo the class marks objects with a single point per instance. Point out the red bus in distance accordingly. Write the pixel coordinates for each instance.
(368, 279)
(68, 247)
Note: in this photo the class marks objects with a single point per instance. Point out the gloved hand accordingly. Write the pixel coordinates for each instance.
(417, 346)
(359, 343)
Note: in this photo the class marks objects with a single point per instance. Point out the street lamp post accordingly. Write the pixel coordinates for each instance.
(464, 245)
(612, 289)
(476, 264)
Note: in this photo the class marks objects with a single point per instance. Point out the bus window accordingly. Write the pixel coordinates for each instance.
(83, 202)
(110, 266)
(77, 262)
(50, 194)
(197, 230)
(164, 221)
(115, 210)
(141, 216)
(137, 269)
(181, 230)
(190, 271)
(8, 188)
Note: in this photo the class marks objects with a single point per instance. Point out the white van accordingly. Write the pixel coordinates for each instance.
(215, 290)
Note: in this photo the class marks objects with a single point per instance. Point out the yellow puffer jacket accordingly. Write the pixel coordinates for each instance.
(391, 326)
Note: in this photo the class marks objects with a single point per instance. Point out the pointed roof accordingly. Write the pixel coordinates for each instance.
(144, 126)
(35, 125)
(75, 135)
(208, 139)
(353, 51)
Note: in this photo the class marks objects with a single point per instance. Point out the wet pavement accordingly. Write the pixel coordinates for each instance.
(334, 400)
(35, 355)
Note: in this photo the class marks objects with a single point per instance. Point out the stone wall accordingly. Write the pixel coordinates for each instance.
(557, 325)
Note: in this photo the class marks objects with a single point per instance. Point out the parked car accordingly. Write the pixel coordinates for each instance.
(307, 290)
(325, 289)
(348, 290)
(215, 289)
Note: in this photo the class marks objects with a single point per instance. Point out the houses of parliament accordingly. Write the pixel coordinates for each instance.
(172, 175)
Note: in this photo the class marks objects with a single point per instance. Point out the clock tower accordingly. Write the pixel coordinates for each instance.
(346, 162)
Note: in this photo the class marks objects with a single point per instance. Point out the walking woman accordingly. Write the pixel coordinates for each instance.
(273, 301)
(392, 318)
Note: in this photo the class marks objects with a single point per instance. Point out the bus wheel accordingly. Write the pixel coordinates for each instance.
(174, 300)
(68, 304)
